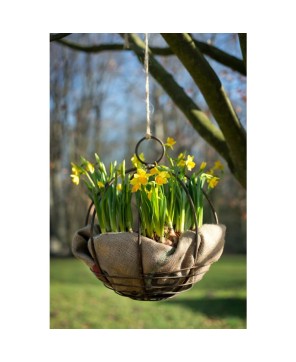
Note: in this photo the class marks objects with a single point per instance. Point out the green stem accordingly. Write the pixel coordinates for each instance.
(90, 179)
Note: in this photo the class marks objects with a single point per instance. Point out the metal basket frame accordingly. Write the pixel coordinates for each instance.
(155, 292)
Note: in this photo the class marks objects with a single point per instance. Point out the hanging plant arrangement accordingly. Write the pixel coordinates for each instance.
(170, 248)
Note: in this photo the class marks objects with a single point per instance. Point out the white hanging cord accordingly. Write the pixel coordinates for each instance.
(146, 62)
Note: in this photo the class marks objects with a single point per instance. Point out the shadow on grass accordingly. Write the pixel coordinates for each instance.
(215, 307)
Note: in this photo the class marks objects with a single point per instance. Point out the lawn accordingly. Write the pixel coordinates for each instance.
(79, 301)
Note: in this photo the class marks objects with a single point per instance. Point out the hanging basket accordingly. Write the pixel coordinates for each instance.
(142, 269)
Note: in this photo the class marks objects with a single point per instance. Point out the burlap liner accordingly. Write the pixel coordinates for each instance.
(118, 256)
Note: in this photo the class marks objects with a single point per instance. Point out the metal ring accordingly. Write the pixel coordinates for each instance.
(162, 150)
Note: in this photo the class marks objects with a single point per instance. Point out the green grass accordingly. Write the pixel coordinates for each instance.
(78, 300)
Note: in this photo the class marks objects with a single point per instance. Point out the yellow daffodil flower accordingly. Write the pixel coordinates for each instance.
(154, 171)
(90, 167)
(181, 160)
(119, 187)
(181, 163)
(135, 160)
(218, 165)
(75, 179)
(140, 178)
(136, 185)
(213, 182)
(189, 162)
(100, 184)
(170, 142)
(162, 178)
(75, 169)
(203, 166)
(142, 175)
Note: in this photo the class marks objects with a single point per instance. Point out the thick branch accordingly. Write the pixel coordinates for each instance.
(215, 96)
(243, 45)
(213, 52)
(197, 118)
(221, 56)
(57, 36)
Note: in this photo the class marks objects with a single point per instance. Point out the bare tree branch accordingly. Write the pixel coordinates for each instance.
(220, 56)
(209, 84)
(110, 47)
(57, 36)
(193, 113)
(210, 50)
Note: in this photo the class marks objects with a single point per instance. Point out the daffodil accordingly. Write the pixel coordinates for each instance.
(75, 179)
(135, 160)
(203, 165)
(87, 166)
(90, 167)
(170, 142)
(213, 182)
(181, 163)
(154, 171)
(100, 184)
(189, 162)
(119, 187)
(140, 178)
(162, 178)
(75, 169)
(218, 165)
(181, 160)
